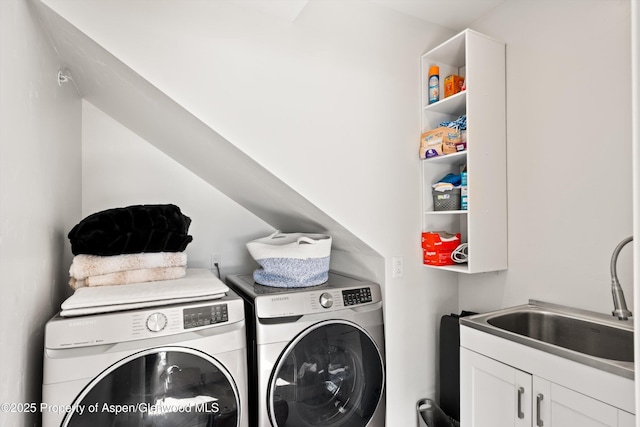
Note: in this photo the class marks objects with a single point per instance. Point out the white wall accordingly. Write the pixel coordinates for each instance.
(568, 154)
(39, 201)
(121, 169)
(329, 103)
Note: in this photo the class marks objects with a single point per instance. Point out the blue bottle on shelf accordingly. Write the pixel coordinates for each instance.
(434, 84)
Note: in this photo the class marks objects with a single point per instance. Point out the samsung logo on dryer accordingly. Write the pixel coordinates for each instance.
(82, 323)
(275, 299)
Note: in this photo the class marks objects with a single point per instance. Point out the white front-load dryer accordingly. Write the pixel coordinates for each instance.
(175, 365)
(316, 355)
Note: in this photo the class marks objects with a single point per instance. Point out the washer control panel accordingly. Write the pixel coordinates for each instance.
(339, 293)
(132, 325)
(356, 296)
(206, 315)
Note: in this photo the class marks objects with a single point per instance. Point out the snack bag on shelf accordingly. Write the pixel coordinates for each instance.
(439, 141)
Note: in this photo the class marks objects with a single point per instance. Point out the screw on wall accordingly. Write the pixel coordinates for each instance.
(64, 76)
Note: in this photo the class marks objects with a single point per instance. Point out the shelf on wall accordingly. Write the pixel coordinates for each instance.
(454, 105)
(456, 212)
(452, 158)
(457, 268)
(481, 61)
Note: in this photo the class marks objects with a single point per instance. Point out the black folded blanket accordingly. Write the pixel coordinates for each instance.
(133, 229)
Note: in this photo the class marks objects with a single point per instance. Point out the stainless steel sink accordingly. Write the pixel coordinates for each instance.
(594, 339)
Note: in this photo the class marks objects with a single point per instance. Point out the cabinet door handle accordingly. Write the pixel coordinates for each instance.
(539, 399)
(520, 393)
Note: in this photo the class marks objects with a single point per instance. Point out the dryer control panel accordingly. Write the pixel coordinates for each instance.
(356, 296)
(325, 299)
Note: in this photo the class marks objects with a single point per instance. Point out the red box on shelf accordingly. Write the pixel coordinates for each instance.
(437, 247)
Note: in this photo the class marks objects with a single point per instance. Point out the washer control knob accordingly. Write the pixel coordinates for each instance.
(156, 322)
(326, 300)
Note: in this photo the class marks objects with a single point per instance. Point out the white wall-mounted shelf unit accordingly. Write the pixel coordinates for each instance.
(481, 61)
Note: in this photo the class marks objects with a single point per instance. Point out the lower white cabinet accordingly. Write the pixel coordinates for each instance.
(494, 394)
(558, 406)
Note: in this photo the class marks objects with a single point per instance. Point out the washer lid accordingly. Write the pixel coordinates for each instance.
(249, 287)
(198, 284)
(338, 293)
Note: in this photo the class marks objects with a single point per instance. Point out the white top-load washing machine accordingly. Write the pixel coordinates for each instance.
(174, 365)
(316, 355)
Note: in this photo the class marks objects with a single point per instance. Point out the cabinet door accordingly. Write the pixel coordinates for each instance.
(557, 406)
(492, 393)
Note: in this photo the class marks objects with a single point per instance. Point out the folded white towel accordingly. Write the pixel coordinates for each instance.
(84, 266)
(130, 276)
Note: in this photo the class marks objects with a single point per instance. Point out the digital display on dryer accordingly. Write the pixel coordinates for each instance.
(203, 316)
(356, 296)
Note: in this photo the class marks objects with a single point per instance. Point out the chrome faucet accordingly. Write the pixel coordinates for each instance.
(619, 303)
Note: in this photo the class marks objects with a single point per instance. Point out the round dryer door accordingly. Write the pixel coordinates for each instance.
(331, 374)
(169, 387)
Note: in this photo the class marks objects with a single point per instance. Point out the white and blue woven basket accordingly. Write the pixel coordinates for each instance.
(291, 260)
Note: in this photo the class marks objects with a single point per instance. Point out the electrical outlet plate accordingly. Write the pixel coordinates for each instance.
(397, 266)
(215, 259)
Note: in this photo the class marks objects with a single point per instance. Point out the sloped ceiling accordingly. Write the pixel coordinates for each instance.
(453, 14)
(286, 9)
(116, 89)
